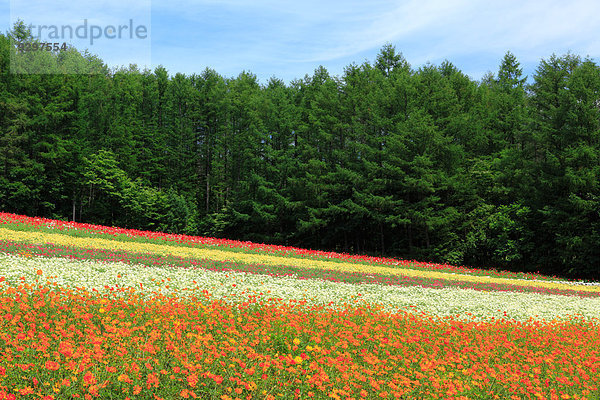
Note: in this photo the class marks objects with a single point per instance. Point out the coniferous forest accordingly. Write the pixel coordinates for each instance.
(387, 159)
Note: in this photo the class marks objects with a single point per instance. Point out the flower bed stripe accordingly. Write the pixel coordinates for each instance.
(239, 287)
(152, 260)
(61, 344)
(219, 255)
(20, 222)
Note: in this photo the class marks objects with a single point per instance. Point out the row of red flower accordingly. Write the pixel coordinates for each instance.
(66, 226)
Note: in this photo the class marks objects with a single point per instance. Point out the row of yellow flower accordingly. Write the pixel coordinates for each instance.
(266, 259)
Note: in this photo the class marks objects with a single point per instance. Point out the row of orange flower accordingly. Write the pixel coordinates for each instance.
(61, 344)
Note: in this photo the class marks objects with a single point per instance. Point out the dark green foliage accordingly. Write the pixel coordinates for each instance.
(385, 160)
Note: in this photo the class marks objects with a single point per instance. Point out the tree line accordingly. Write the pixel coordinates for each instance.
(419, 163)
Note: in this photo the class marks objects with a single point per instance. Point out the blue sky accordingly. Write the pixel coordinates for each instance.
(288, 39)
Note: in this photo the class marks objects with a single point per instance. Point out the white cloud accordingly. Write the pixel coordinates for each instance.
(314, 31)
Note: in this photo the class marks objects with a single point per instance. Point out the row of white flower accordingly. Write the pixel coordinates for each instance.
(237, 286)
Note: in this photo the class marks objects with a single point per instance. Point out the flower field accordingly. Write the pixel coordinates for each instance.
(96, 312)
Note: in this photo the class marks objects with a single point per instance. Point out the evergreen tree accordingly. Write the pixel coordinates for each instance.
(384, 160)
